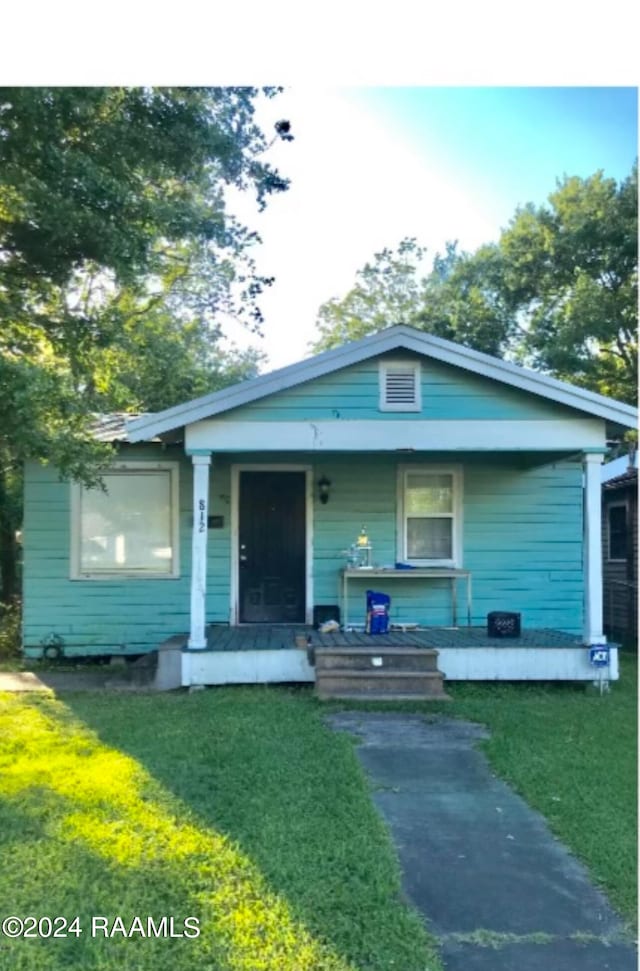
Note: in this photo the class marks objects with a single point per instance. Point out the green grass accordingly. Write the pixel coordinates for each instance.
(239, 807)
(572, 754)
(236, 806)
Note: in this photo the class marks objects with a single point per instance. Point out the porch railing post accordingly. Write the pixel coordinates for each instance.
(197, 634)
(593, 620)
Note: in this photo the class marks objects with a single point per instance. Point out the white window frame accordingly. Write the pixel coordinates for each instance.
(384, 368)
(454, 562)
(131, 467)
(615, 505)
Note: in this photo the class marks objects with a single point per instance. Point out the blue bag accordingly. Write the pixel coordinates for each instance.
(377, 612)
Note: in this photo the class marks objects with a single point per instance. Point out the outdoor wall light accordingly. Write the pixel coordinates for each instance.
(324, 485)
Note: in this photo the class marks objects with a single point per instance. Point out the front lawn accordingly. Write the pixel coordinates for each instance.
(236, 806)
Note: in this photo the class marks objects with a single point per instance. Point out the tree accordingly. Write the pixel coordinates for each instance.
(557, 292)
(387, 291)
(460, 299)
(116, 250)
(570, 274)
(463, 301)
(163, 360)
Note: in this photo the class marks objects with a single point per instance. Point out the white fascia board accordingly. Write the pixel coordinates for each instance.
(539, 384)
(393, 436)
(400, 337)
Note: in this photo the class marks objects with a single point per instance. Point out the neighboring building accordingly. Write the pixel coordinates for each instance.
(620, 549)
(239, 509)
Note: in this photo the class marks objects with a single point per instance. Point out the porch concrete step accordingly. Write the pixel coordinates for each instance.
(380, 658)
(378, 684)
(169, 670)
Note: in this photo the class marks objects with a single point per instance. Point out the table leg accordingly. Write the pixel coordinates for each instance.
(345, 602)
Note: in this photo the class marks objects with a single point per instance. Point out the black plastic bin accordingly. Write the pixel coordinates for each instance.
(324, 612)
(502, 623)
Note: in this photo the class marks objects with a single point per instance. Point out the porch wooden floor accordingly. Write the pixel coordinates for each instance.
(261, 637)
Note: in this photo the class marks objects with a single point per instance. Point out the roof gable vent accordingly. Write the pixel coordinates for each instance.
(400, 386)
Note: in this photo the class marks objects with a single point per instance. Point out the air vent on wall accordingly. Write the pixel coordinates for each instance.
(400, 387)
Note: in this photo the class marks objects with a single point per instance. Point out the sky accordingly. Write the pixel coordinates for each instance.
(426, 120)
(372, 164)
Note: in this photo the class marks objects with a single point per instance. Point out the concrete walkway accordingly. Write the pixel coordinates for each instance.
(495, 887)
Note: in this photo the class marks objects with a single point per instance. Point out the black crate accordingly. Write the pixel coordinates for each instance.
(501, 623)
(324, 612)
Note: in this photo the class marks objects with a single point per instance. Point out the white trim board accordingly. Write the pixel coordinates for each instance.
(391, 435)
(75, 510)
(234, 579)
(396, 338)
(246, 667)
(457, 474)
(457, 664)
(523, 664)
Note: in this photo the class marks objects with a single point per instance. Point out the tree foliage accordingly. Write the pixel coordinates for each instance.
(387, 291)
(463, 300)
(571, 274)
(460, 299)
(112, 215)
(557, 292)
(118, 259)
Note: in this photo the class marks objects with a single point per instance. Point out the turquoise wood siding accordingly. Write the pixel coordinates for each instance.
(522, 540)
(94, 615)
(219, 543)
(353, 393)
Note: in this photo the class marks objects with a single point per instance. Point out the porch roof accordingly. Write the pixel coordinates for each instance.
(400, 337)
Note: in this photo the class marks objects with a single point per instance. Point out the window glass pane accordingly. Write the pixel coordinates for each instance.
(129, 527)
(428, 494)
(429, 539)
(617, 532)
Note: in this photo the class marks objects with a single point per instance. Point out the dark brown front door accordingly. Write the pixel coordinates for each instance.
(272, 547)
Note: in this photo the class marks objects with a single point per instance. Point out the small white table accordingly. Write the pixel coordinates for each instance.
(419, 573)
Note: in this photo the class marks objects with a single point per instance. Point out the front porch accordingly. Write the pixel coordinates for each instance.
(271, 653)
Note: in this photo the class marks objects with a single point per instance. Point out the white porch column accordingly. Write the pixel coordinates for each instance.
(593, 633)
(197, 637)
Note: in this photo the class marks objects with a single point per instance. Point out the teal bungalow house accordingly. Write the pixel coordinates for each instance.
(229, 522)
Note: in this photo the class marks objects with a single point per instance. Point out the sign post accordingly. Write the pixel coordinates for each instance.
(599, 658)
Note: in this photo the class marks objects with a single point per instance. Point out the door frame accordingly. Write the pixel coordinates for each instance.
(234, 585)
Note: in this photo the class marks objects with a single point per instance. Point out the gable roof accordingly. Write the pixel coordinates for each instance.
(628, 479)
(113, 427)
(617, 467)
(400, 337)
